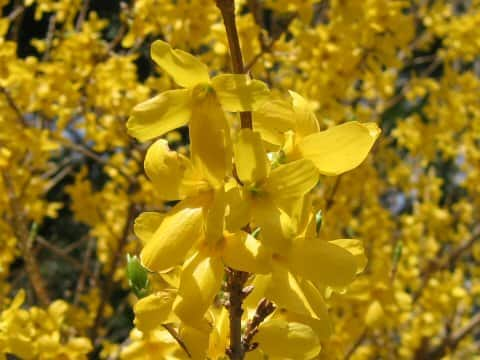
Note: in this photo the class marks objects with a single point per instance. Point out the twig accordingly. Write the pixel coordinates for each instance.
(177, 338)
(227, 8)
(450, 342)
(85, 271)
(108, 287)
(331, 198)
(49, 38)
(235, 282)
(13, 105)
(59, 252)
(438, 265)
(264, 308)
(82, 15)
(26, 239)
(356, 344)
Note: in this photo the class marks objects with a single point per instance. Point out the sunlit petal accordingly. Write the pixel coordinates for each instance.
(200, 281)
(238, 92)
(340, 148)
(159, 115)
(250, 158)
(322, 261)
(185, 69)
(241, 251)
(177, 233)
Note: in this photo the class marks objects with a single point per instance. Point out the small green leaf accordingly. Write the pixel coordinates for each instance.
(137, 276)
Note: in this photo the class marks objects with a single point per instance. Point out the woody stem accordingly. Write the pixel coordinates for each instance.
(227, 8)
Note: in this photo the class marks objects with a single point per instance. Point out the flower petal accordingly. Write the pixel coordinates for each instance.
(146, 224)
(287, 340)
(159, 115)
(292, 180)
(210, 144)
(277, 228)
(172, 174)
(273, 119)
(250, 157)
(238, 208)
(180, 229)
(153, 310)
(200, 281)
(322, 261)
(355, 247)
(243, 252)
(238, 92)
(306, 121)
(185, 69)
(285, 291)
(340, 148)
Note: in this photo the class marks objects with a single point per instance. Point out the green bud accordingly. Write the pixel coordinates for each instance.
(318, 220)
(137, 276)
(256, 232)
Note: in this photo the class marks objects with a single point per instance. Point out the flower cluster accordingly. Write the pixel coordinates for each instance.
(241, 207)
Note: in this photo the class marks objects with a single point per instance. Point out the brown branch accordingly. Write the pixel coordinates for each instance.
(13, 105)
(235, 282)
(85, 271)
(264, 308)
(356, 344)
(331, 198)
(59, 252)
(227, 8)
(107, 288)
(437, 265)
(82, 15)
(25, 242)
(449, 343)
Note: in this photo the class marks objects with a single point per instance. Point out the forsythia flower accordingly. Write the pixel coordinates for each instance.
(222, 200)
(175, 108)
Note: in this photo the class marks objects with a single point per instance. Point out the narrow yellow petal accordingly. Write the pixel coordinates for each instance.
(250, 157)
(238, 92)
(185, 69)
(340, 148)
(196, 341)
(355, 247)
(215, 218)
(273, 119)
(306, 121)
(200, 281)
(172, 174)
(159, 115)
(154, 310)
(288, 340)
(210, 143)
(146, 224)
(219, 338)
(277, 228)
(241, 251)
(322, 261)
(237, 213)
(285, 291)
(178, 232)
(292, 180)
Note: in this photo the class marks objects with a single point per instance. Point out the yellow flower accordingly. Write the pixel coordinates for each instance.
(295, 128)
(175, 108)
(271, 195)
